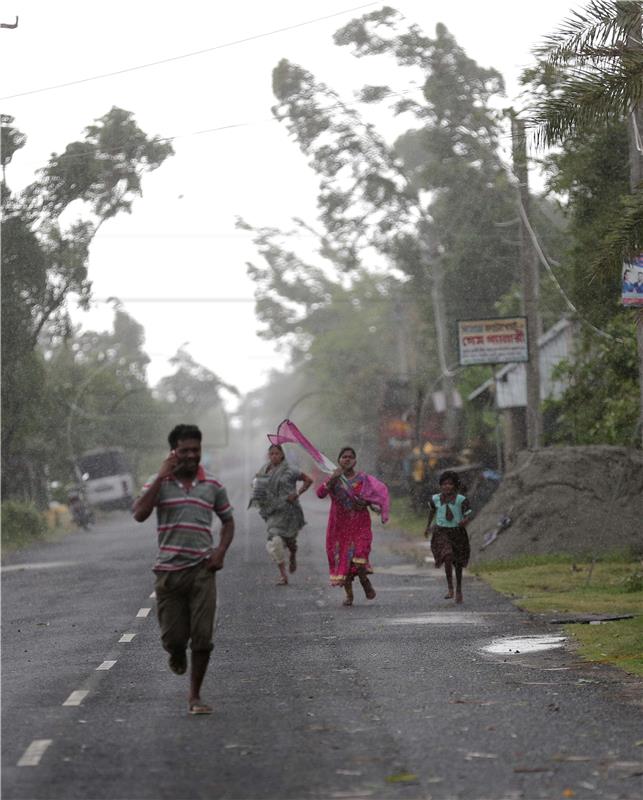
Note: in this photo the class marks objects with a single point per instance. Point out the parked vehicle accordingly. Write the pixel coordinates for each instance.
(107, 478)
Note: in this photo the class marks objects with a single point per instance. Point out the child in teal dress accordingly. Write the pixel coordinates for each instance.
(450, 540)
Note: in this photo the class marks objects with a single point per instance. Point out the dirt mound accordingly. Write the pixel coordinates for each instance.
(577, 500)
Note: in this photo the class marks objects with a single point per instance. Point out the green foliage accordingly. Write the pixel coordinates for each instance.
(22, 523)
(600, 406)
(587, 84)
(373, 207)
(599, 62)
(591, 172)
(43, 263)
(634, 582)
(193, 394)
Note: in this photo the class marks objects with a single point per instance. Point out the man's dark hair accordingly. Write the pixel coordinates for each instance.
(181, 432)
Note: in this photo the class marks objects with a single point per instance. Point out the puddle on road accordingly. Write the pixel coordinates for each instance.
(438, 618)
(402, 588)
(402, 569)
(519, 645)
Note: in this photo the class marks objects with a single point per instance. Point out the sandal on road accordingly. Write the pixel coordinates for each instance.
(199, 707)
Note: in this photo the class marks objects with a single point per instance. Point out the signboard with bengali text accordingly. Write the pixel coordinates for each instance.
(502, 340)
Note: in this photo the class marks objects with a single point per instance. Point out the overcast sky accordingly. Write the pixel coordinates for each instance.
(231, 158)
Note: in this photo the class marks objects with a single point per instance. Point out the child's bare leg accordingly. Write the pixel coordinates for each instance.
(458, 583)
(448, 571)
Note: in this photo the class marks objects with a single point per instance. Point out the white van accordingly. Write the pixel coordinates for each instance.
(107, 478)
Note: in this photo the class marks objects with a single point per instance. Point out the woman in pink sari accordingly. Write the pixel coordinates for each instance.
(349, 534)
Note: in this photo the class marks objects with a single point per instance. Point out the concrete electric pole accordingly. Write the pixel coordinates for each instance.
(530, 284)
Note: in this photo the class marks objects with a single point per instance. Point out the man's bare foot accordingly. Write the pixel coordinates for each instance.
(197, 706)
(458, 597)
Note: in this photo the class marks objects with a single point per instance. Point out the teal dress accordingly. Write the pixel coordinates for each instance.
(450, 540)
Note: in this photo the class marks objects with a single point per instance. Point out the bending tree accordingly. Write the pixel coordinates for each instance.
(44, 260)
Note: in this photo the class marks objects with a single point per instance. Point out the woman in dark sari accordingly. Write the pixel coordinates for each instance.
(276, 496)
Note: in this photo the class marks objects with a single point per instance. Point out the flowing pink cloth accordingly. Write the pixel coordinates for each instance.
(372, 490)
(289, 433)
(348, 533)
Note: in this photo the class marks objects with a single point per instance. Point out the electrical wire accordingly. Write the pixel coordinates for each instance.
(171, 59)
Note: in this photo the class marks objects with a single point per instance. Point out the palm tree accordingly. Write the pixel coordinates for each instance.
(595, 61)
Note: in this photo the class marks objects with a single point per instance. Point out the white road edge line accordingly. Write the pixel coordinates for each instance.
(76, 698)
(127, 637)
(106, 665)
(143, 612)
(36, 750)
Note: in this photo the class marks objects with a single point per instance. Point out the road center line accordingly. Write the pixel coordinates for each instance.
(32, 755)
(127, 637)
(153, 595)
(143, 612)
(106, 665)
(39, 565)
(76, 698)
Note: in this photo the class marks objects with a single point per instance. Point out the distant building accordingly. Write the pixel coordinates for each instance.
(507, 390)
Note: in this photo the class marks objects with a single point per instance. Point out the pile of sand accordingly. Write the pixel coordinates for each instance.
(578, 500)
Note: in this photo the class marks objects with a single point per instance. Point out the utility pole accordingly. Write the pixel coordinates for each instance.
(635, 138)
(530, 283)
(436, 278)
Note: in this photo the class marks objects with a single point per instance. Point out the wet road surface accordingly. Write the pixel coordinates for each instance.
(392, 698)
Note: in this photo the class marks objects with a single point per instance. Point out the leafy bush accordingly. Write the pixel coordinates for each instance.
(634, 582)
(21, 523)
(601, 403)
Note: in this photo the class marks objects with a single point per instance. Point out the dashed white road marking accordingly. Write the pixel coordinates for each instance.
(106, 665)
(143, 612)
(153, 595)
(127, 637)
(76, 698)
(40, 565)
(32, 755)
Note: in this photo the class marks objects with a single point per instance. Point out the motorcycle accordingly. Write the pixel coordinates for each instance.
(80, 511)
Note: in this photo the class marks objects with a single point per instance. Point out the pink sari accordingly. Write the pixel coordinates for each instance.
(372, 491)
(348, 533)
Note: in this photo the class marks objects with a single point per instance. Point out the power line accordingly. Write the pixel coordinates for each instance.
(222, 46)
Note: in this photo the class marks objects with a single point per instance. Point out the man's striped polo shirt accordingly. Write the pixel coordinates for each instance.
(184, 519)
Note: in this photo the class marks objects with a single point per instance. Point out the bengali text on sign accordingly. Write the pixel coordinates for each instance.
(493, 341)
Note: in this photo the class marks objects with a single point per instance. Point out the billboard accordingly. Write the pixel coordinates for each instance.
(502, 340)
(632, 283)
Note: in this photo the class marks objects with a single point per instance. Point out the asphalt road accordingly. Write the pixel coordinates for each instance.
(393, 698)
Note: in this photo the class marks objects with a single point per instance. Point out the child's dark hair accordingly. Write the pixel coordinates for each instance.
(277, 447)
(181, 432)
(345, 450)
(449, 475)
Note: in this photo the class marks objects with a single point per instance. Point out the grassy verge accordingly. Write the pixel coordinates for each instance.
(403, 517)
(557, 584)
